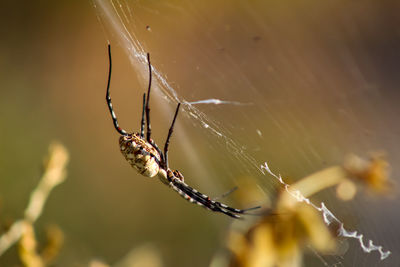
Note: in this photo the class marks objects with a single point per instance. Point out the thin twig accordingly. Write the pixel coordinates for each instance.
(54, 174)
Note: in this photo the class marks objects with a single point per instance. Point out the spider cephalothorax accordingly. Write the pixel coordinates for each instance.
(143, 154)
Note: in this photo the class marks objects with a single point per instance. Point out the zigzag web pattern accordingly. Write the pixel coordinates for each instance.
(329, 217)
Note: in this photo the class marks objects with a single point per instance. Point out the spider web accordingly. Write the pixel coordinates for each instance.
(247, 147)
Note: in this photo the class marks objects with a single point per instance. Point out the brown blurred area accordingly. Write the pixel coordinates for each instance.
(322, 77)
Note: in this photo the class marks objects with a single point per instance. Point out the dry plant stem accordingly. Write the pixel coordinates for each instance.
(316, 182)
(54, 174)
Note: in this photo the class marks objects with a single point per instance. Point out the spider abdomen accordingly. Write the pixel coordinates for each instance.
(141, 155)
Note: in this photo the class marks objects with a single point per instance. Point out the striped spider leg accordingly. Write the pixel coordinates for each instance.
(143, 154)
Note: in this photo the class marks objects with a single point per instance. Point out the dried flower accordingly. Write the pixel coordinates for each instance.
(278, 240)
(373, 173)
(54, 242)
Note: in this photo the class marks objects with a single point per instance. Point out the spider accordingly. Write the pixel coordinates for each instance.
(145, 156)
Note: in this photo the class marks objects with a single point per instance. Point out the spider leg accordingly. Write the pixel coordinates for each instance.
(198, 198)
(226, 193)
(142, 121)
(221, 205)
(147, 108)
(171, 129)
(187, 193)
(240, 211)
(158, 150)
(108, 97)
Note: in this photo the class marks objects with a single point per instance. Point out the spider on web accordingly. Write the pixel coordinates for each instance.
(144, 155)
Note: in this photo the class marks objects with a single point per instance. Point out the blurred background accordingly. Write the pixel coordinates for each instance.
(319, 80)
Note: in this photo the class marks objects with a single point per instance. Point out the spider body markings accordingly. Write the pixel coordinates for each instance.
(140, 154)
(143, 154)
